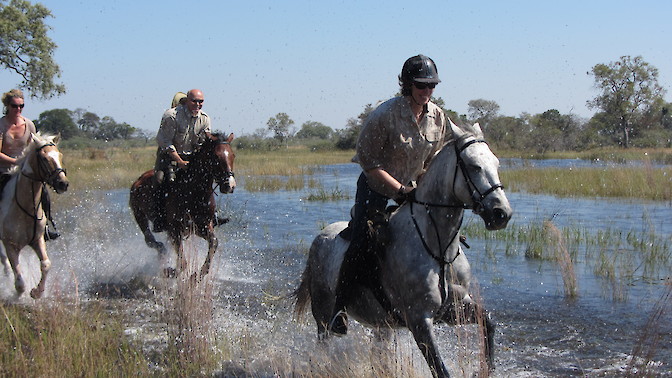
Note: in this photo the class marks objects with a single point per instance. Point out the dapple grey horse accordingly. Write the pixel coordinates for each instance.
(22, 219)
(423, 272)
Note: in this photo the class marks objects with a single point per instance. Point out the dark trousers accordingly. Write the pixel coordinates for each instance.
(359, 262)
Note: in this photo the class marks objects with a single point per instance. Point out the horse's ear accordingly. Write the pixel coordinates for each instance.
(57, 138)
(456, 130)
(230, 138)
(477, 130)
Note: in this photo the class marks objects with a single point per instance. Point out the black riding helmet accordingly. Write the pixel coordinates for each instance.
(419, 68)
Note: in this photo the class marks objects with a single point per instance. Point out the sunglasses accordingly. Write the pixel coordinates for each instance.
(16, 106)
(196, 101)
(424, 85)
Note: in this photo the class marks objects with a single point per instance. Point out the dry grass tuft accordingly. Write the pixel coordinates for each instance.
(563, 258)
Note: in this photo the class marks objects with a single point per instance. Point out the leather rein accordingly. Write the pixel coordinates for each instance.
(477, 207)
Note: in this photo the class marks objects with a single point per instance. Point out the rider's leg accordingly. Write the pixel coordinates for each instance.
(160, 176)
(354, 265)
(46, 206)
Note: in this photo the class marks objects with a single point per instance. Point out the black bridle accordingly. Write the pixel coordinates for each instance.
(44, 173)
(477, 197)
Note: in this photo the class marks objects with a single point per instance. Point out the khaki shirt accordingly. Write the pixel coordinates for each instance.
(392, 139)
(13, 147)
(181, 131)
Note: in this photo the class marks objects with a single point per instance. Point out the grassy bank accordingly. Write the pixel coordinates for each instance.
(105, 169)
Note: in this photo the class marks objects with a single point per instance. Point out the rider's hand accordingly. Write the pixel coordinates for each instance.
(182, 164)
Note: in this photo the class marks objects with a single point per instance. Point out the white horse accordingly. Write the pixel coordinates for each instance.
(423, 272)
(22, 219)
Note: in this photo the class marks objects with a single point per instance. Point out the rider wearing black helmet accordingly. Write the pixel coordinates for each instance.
(395, 145)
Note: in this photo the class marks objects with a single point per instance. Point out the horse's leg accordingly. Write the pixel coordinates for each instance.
(4, 261)
(143, 222)
(45, 264)
(212, 248)
(13, 256)
(423, 333)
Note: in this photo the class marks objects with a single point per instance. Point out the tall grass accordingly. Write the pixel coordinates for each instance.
(625, 182)
(62, 338)
(188, 312)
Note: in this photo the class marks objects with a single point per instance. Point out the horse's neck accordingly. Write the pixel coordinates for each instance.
(436, 185)
(438, 213)
(28, 188)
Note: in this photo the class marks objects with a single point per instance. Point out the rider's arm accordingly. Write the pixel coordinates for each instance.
(176, 157)
(5, 157)
(380, 178)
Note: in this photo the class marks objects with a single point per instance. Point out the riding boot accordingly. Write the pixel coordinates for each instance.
(347, 277)
(46, 206)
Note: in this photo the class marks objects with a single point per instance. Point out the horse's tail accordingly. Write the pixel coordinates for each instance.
(302, 293)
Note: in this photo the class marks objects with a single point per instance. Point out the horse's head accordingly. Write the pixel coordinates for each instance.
(480, 187)
(49, 162)
(223, 169)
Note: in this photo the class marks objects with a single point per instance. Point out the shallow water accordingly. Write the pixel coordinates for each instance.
(262, 254)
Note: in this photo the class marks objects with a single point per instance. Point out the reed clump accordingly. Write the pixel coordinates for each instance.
(563, 258)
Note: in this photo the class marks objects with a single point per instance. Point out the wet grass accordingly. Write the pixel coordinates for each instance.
(618, 258)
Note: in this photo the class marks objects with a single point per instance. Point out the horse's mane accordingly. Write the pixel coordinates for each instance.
(37, 140)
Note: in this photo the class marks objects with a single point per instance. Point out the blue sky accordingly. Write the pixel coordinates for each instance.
(325, 60)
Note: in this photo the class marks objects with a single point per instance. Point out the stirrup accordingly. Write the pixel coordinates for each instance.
(339, 324)
(51, 235)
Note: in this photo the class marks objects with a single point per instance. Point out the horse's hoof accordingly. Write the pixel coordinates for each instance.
(35, 293)
(170, 272)
(221, 220)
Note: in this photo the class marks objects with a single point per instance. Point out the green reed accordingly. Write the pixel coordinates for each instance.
(322, 194)
(618, 258)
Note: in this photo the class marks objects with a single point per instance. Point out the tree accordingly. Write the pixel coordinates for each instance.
(57, 121)
(312, 129)
(482, 111)
(347, 138)
(89, 122)
(26, 49)
(279, 125)
(629, 89)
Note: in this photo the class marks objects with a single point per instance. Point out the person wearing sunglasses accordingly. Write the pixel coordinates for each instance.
(182, 129)
(15, 134)
(395, 145)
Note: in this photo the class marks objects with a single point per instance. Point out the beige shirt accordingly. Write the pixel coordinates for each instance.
(13, 146)
(392, 139)
(181, 131)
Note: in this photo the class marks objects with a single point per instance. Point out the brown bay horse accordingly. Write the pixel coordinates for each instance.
(22, 218)
(189, 200)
